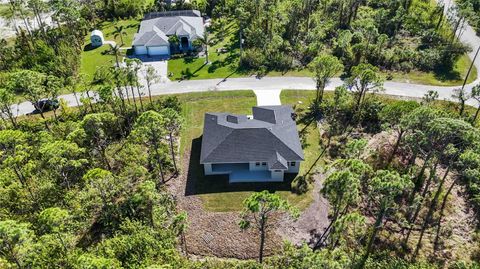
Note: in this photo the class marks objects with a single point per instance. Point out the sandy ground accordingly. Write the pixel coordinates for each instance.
(312, 221)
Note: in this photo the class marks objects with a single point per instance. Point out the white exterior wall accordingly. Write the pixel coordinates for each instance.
(294, 169)
(141, 50)
(277, 174)
(161, 50)
(207, 167)
(253, 167)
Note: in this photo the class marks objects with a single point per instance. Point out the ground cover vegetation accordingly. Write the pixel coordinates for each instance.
(91, 184)
(88, 187)
(421, 201)
(62, 48)
(396, 36)
(469, 10)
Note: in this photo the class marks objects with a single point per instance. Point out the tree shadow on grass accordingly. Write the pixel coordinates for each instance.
(198, 183)
(447, 74)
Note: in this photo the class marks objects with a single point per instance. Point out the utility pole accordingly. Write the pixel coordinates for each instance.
(471, 67)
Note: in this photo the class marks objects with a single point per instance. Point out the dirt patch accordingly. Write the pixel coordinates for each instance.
(312, 221)
(218, 234)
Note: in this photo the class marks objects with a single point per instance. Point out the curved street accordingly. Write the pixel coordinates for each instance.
(276, 84)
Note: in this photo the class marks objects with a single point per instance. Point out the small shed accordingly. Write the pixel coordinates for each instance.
(96, 38)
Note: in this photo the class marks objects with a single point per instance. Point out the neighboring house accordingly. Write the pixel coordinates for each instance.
(156, 28)
(259, 148)
(96, 38)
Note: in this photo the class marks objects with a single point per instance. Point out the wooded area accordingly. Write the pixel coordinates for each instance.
(87, 187)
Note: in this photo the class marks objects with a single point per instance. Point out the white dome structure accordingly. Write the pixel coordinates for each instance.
(96, 38)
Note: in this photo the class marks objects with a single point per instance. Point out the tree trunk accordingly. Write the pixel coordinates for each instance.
(430, 213)
(442, 208)
(149, 92)
(140, 97)
(476, 115)
(90, 101)
(469, 71)
(105, 159)
(44, 120)
(413, 219)
(157, 156)
(262, 238)
(173, 153)
(376, 228)
(134, 100)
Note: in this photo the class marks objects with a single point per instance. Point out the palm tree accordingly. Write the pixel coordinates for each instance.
(120, 32)
(115, 50)
(203, 41)
(174, 42)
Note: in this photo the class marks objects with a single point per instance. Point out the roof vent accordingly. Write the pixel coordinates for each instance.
(232, 119)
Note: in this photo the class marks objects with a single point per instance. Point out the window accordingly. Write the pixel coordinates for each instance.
(264, 164)
(292, 164)
(257, 164)
(277, 171)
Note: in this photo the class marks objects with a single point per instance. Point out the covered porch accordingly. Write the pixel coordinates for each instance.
(240, 172)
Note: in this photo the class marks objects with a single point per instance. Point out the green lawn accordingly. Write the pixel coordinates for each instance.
(130, 27)
(4, 10)
(221, 65)
(215, 192)
(452, 78)
(92, 58)
(225, 65)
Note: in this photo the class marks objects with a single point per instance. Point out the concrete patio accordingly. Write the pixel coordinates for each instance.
(240, 172)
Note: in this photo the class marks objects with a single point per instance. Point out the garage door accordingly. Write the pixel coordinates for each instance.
(162, 50)
(140, 50)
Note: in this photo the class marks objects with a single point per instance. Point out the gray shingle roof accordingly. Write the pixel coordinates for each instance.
(271, 135)
(277, 162)
(154, 31)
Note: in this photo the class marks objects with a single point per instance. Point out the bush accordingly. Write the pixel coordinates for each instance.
(252, 59)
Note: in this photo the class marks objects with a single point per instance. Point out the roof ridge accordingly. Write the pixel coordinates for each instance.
(146, 42)
(270, 130)
(174, 25)
(223, 140)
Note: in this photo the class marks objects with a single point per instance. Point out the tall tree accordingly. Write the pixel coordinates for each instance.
(324, 67)
(97, 131)
(475, 94)
(65, 158)
(258, 212)
(394, 116)
(151, 77)
(32, 85)
(15, 241)
(384, 188)
(7, 99)
(364, 78)
(462, 97)
(204, 42)
(172, 123)
(149, 129)
(119, 32)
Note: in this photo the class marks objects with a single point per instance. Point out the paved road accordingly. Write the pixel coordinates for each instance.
(302, 83)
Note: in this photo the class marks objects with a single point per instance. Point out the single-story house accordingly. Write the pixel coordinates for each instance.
(258, 148)
(153, 35)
